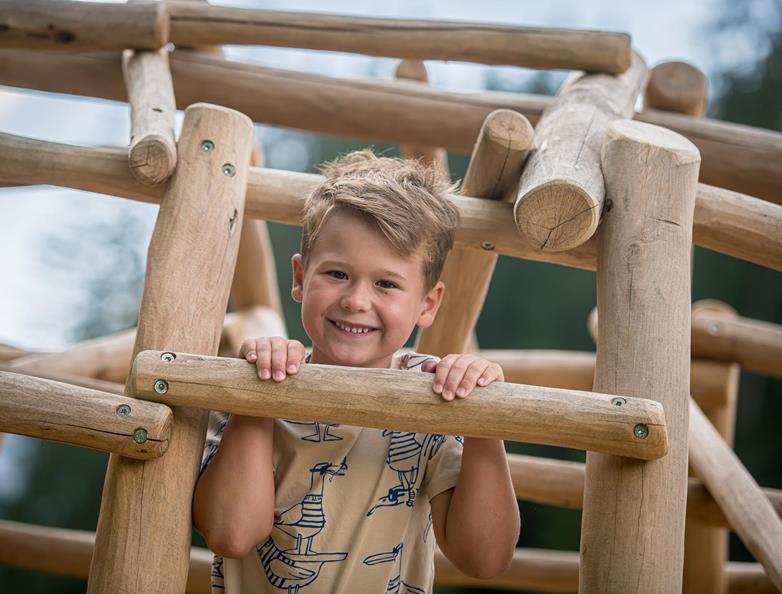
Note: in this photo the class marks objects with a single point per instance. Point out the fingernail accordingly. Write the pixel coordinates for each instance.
(291, 369)
(279, 375)
(448, 395)
(438, 388)
(265, 374)
(460, 392)
(481, 381)
(252, 356)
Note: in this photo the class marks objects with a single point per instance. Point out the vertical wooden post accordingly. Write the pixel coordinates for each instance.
(143, 534)
(632, 535)
(706, 547)
(495, 167)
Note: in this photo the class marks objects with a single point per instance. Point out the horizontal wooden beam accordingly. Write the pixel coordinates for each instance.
(385, 398)
(79, 416)
(278, 196)
(66, 552)
(740, 158)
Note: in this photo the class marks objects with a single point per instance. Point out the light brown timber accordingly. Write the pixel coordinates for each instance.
(80, 416)
(9, 352)
(278, 196)
(70, 378)
(562, 192)
(189, 269)
(493, 173)
(677, 87)
(152, 152)
(737, 157)
(748, 510)
(632, 531)
(389, 398)
(82, 26)
(194, 24)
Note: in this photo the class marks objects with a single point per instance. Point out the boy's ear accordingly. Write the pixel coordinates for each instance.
(297, 289)
(431, 304)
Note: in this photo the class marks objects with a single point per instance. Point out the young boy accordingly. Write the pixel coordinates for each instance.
(291, 506)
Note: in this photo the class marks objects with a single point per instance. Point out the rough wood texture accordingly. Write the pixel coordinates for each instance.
(390, 398)
(753, 344)
(493, 173)
(81, 26)
(740, 158)
(74, 380)
(79, 416)
(193, 24)
(632, 531)
(705, 547)
(562, 191)
(278, 196)
(748, 510)
(191, 258)
(105, 358)
(678, 87)
(152, 152)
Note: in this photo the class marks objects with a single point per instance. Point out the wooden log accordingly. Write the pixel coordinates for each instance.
(705, 547)
(67, 552)
(643, 294)
(105, 358)
(152, 152)
(737, 157)
(9, 352)
(80, 26)
(79, 416)
(74, 380)
(703, 509)
(493, 173)
(193, 24)
(753, 344)
(562, 192)
(278, 196)
(191, 258)
(389, 398)
(677, 87)
(744, 504)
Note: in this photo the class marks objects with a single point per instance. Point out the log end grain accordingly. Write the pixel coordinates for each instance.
(557, 216)
(152, 159)
(682, 150)
(508, 129)
(412, 70)
(678, 87)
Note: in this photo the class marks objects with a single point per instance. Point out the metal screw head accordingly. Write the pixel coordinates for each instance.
(167, 357)
(207, 146)
(715, 328)
(140, 435)
(641, 431)
(618, 401)
(229, 170)
(161, 386)
(487, 245)
(123, 410)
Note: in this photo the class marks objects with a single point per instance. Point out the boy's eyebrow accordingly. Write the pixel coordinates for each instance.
(341, 264)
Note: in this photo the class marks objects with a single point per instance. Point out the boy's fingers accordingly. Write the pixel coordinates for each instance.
(455, 375)
(476, 370)
(493, 373)
(279, 358)
(441, 373)
(295, 356)
(247, 350)
(264, 358)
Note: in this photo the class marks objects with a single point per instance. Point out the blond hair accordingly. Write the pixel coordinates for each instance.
(404, 199)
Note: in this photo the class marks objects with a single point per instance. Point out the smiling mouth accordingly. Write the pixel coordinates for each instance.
(352, 330)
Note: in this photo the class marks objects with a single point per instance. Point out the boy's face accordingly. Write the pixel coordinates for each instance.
(360, 298)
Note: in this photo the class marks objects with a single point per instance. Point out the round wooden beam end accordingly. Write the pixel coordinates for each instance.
(557, 216)
(658, 137)
(412, 70)
(678, 87)
(152, 159)
(508, 129)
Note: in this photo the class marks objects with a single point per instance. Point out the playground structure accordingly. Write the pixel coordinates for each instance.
(587, 188)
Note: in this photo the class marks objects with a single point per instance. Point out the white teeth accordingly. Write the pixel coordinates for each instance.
(351, 329)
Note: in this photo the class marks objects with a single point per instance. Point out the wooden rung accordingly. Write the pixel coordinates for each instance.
(405, 401)
(82, 26)
(278, 196)
(677, 87)
(80, 416)
(741, 158)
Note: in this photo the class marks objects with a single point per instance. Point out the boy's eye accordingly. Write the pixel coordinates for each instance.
(338, 274)
(384, 284)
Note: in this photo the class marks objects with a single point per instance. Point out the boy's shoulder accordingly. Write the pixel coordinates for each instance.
(410, 360)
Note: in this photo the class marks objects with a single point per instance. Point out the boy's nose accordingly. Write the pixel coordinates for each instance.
(356, 299)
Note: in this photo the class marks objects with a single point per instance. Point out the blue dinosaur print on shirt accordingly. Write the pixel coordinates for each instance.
(217, 577)
(297, 567)
(319, 435)
(395, 585)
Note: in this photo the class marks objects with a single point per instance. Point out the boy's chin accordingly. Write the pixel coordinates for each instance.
(357, 358)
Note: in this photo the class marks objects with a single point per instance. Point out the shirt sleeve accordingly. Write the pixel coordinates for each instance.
(444, 465)
(214, 433)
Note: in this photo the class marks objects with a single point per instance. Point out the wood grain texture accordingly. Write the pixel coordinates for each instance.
(632, 531)
(80, 416)
(389, 398)
(193, 24)
(737, 157)
(493, 173)
(189, 269)
(152, 151)
(80, 26)
(561, 196)
(748, 510)
(677, 87)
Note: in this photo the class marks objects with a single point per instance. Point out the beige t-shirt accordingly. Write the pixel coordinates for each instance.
(351, 509)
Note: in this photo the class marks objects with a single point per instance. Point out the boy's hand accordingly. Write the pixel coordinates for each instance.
(273, 357)
(456, 375)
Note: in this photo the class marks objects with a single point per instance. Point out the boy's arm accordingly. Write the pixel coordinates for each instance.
(233, 502)
(477, 522)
